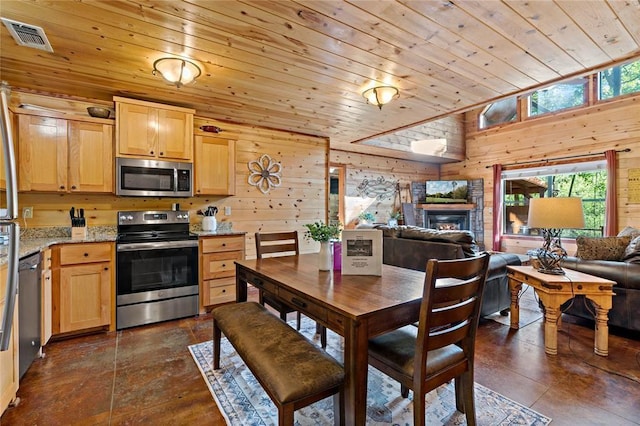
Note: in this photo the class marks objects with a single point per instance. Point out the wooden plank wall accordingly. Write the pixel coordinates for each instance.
(301, 199)
(608, 125)
(361, 166)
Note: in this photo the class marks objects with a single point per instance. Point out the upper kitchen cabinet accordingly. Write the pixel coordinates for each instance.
(214, 166)
(61, 155)
(151, 130)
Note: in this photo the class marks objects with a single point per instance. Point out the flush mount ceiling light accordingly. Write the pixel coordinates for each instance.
(380, 95)
(176, 71)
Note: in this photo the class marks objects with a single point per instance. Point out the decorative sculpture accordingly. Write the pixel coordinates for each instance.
(265, 173)
(380, 188)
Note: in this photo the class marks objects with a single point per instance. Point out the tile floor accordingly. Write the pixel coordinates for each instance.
(146, 375)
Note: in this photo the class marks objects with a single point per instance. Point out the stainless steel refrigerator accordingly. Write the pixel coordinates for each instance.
(9, 228)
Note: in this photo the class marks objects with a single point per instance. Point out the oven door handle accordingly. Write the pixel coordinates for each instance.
(156, 245)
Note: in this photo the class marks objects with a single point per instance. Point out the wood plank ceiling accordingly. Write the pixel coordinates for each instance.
(301, 66)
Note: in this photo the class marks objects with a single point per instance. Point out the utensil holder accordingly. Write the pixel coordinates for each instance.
(209, 223)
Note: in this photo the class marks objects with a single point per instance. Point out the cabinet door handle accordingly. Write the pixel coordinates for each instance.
(224, 290)
(73, 187)
(106, 268)
(61, 186)
(86, 255)
(151, 152)
(161, 153)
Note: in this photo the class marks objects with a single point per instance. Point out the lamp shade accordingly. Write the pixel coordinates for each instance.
(556, 212)
(380, 95)
(176, 71)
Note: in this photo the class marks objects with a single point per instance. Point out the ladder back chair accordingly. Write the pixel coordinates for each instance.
(442, 347)
(281, 244)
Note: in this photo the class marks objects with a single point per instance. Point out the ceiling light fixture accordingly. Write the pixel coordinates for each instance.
(380, 95)
(176, 71)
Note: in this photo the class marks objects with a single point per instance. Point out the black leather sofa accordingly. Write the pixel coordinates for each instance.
(625, 312)
(410, 247)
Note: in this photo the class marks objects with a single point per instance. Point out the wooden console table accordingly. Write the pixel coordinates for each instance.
(553, 291)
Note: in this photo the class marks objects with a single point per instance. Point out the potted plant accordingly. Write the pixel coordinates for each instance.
(394, 217)
(324, 234)
(366, 217)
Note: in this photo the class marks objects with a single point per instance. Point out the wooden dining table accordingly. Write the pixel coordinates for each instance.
(357, 307)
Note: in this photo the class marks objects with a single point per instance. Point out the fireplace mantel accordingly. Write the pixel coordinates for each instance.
(441, 207)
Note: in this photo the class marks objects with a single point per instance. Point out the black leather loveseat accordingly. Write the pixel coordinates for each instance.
(410, 247)
(625, 312)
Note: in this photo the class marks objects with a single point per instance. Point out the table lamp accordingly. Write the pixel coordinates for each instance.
(552, 215)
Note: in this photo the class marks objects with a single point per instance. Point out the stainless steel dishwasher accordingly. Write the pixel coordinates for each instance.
(29, 315)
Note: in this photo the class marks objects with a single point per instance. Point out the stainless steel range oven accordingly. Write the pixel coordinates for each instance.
(156, 267)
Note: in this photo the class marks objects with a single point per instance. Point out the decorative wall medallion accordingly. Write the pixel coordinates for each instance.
(265, 173)
(380, 188)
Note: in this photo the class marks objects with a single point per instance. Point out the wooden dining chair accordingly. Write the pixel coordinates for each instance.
(442, 347)
(281, 244)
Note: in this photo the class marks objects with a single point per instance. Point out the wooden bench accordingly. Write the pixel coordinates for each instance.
(291, 369)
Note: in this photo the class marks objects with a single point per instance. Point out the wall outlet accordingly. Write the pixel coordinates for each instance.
(27, 212)
(227, 211)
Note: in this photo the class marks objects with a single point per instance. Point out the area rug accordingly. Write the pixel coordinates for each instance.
(243, 402)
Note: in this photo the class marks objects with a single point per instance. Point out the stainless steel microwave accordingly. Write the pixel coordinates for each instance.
(153, 178)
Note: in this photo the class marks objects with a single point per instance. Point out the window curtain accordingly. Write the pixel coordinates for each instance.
(497, 209)
(611, 200)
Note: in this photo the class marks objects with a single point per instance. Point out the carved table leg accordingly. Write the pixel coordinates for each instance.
(602, 332)
(515, 287)
(551, 329)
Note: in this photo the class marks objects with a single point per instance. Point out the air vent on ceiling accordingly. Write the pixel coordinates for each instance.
(28, 35)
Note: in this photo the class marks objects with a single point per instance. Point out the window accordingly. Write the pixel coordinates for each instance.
(586, 180)
(620, 80)
(558, 97)
(504, 111)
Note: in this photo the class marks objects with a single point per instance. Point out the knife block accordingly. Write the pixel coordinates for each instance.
(78, 232)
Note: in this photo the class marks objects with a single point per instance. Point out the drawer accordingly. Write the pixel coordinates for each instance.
(222, 244)
(314, 310)
(71, 254)
(336, 322)
(219, 265)
(219, 291)
(257, 282)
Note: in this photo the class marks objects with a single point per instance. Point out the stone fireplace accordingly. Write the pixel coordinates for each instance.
(473, 210)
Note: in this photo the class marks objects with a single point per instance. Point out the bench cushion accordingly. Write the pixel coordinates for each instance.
(291, 366)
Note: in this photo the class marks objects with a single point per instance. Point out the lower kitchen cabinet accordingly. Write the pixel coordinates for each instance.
(217, 268)
(83, 287)
(46, 307)
(9, 368)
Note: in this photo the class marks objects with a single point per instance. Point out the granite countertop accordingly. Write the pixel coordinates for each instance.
(34, 240)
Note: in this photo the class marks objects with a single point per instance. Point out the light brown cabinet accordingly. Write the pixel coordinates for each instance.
(46, 312)
(59, 155)
(217, 268)
(9, 374)
(151, 130)
(83, 287)
(214, 164)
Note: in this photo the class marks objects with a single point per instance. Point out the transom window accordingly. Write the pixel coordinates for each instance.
(558, 97)
(618, 81)
(586, 180)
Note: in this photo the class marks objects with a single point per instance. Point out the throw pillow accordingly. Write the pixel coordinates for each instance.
(632, 252)
(604, 248)
(629, 231)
